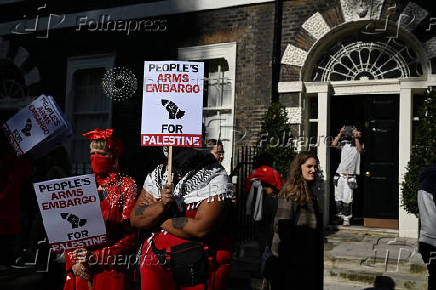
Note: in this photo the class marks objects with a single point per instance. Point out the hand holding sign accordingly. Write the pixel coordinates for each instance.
(167, 194)
(82, 255)
(82, 271)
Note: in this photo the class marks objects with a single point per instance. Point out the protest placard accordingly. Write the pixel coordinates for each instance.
(38, 128)
(172, 105)
(70, 209)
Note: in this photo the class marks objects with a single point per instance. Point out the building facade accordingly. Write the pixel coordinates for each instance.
(362, 62)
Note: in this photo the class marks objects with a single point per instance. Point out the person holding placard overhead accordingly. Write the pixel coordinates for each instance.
(188, 248)
(100, 267)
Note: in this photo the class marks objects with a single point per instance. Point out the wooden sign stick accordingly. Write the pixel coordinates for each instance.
(170, 164)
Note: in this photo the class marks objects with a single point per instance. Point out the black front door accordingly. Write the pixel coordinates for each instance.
(377, 117)
(380, 166)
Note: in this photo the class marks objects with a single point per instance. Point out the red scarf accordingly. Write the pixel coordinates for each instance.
(102, 166)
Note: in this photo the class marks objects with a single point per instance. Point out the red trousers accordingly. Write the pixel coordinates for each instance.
(155, 277)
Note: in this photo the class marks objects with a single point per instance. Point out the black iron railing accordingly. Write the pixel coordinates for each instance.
(243, 229)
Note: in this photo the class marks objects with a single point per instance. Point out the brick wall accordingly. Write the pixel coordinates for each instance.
(295, 13)
(252, 28)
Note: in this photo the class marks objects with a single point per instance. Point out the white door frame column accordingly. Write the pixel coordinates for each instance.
(408, 223)
(322, 90)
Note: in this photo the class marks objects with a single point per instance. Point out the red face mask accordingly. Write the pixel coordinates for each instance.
(102, 164)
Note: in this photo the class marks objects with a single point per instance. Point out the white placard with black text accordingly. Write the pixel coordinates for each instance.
(172, 104)
(70, 209)
(40, 122)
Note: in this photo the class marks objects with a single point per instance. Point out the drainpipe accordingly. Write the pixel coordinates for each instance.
(276, 53)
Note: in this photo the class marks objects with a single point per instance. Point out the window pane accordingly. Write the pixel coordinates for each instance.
(313, 136)
(313, 108)
(85, 123)
(88, 92)
(418, 101)
(218, 86)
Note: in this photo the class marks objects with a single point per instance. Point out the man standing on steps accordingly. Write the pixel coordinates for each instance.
(427, 216)
(348, 140)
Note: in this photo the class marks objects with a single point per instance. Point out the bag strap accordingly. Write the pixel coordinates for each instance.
(160, 254)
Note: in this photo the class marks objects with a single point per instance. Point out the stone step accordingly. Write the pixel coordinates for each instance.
(381, 266)
(343, 285)
(338, 274)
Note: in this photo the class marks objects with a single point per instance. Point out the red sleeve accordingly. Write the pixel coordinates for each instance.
(129, 190)
(128, 242)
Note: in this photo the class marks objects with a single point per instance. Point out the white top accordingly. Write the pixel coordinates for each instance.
(350, 160)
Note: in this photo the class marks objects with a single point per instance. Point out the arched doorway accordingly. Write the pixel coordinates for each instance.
(350, 73)
(355, 57)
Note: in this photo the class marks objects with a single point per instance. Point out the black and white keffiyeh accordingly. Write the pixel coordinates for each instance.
(210, 182)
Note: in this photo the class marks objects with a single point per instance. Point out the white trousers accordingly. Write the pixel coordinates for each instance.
(343, 192)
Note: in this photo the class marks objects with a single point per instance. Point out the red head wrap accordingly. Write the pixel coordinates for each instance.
(266, 174)
(114, 144)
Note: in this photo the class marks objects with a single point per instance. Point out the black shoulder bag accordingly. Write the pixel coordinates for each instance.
(189, 262)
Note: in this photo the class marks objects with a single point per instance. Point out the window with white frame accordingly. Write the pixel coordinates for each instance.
(87, 107)
(418, 102)
(313, 123)
(219, 91)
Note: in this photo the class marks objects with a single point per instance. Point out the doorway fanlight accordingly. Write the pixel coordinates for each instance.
(386, 59)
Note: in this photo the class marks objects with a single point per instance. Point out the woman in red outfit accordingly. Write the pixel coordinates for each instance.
(106, 267)
(192, 210)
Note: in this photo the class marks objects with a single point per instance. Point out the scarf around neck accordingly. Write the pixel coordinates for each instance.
(210, 182)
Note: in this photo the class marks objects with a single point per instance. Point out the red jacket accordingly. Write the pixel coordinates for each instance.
(13, 173)
(116, 208)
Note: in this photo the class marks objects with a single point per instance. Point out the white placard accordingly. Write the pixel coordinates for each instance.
(70, 209)
(172, 104)
(36, 122)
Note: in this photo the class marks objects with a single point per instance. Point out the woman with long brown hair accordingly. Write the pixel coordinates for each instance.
(298, 239)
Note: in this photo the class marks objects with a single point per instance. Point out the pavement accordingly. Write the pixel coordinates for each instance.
(354, 258)
(365, 258)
